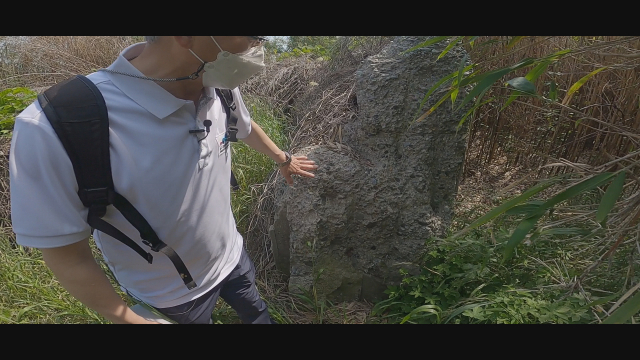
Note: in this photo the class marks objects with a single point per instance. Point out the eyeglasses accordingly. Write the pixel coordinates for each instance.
(258, 40)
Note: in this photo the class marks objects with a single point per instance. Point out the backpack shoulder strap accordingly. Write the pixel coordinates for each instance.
(231, 126)
(78, 114)
(229, 107)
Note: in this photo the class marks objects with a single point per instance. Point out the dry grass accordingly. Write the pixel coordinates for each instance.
(595, 131)
(5, 204)
(320, 95)
(600, 122)
(38, 62)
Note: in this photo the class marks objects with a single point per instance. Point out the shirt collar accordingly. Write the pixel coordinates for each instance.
(145, 93)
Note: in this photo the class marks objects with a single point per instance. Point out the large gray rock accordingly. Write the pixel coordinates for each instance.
(348, 231)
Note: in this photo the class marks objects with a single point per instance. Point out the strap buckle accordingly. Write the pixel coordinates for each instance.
(97, 196)
(157, 247)
(231, 134)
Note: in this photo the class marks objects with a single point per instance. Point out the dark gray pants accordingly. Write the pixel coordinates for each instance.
(238, 290)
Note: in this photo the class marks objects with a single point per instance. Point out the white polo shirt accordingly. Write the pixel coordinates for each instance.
(180, 185)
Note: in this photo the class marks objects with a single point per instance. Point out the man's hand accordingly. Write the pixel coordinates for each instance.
(299, 165)
(76, 269)
(260, 142)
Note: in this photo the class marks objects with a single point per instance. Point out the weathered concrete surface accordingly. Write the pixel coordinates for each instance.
(349, 230)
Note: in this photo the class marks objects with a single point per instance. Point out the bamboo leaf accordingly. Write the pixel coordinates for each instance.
(585, 185)
(380, 307)
(454, 94)
(523, 85)
(557, 55)
(439, 83)
(449, 47)
(553, 91)
(565, 231)
(433, 309)
(472, 40)
(492, 77)
(528, 208)
(475, 77)
(579, 84)
(519, 233)
(535, 73)
(506, 206)
(532, 76)
(625, 312)
(462, 309)
(471, 111)
(601, 301)
(431, 41)
(483, 85)
(462, 68)
(610, 196)
(434, 107)
(514, 41)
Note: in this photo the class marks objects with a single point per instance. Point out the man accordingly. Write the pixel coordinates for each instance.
(159, 95)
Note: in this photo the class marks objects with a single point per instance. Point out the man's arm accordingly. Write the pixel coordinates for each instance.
(76, 269)
(260, 142)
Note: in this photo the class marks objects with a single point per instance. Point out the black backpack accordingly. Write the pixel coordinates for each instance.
(78, 114)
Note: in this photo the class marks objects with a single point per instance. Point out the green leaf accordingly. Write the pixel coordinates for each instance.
(535, 73)
(532, 76)
(454, 94)
(528, 208)
(380, 307)
(462, 68)
(24, 311)
(585, 185)
(565, 231)
(610, 196)
(523, 85)
(431, 41)
(507, 205)
(471, 111)
(514, 41)
(492, 77)
(475, 77)
(433, 309)
(557, 55)
(625, 312)
(519, 233)
(601, 301)
(484, 84)
(434, 107)
(439, 83)
(528, 223)
(449, 47)
(462, 309)
(553, 91)
(579, 84)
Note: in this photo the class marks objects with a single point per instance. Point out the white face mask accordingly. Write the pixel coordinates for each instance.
(230, 70)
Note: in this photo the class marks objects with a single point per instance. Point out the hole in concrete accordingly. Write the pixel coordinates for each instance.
(349, 252)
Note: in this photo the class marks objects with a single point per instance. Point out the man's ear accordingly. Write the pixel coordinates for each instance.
(184, 41)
